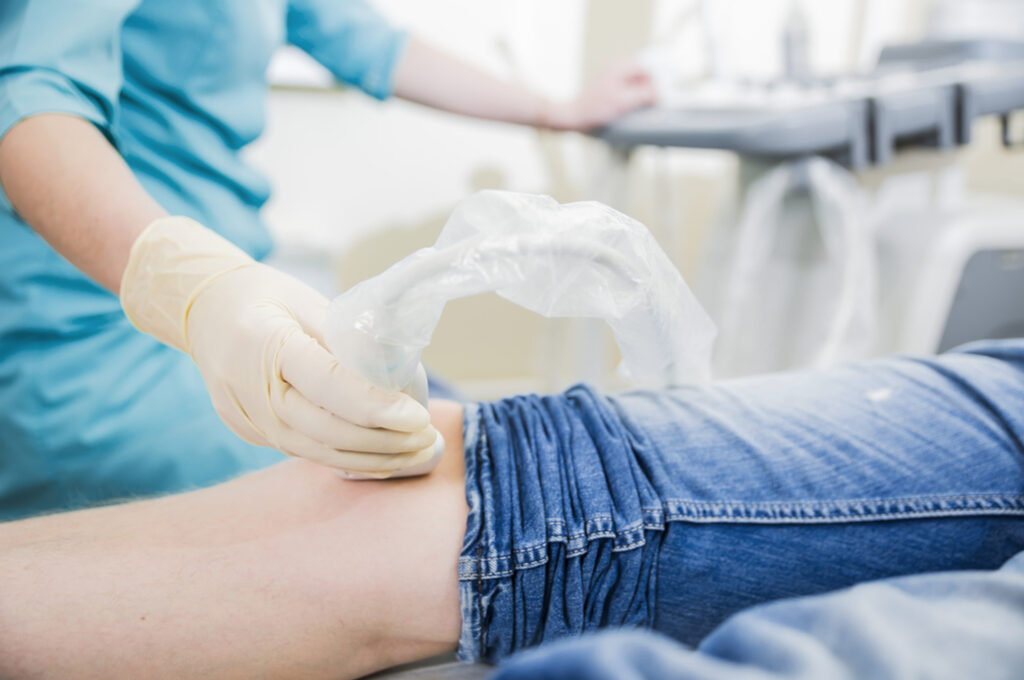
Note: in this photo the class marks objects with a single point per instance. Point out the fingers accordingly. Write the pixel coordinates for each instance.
(622, 89)
(636, 86)
(235, 417)
(634, 73)
(304, 364)
(347, 447)
(336, 433)
(421, 463)
(333, 417)
(274, 383)
(638, 95)
(383, 465)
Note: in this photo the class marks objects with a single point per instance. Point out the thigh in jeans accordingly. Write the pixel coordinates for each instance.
(673, 510)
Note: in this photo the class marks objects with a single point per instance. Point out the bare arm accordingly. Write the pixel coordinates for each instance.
(70, 185)
(431, 77)
(289, 572)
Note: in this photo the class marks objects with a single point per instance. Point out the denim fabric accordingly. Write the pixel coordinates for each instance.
(673, 510)
(949, 625)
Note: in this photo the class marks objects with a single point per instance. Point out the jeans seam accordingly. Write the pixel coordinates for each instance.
(479, 574)
(480, 600)
(482, 521)
(845, 519)
(879, 499)
(849, 510)
(585, 531)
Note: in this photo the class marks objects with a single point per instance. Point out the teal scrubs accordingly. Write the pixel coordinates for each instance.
(91, 409)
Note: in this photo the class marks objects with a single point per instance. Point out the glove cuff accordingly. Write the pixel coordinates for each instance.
(171, 262)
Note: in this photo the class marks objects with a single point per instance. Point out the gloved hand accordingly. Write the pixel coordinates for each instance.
(615, 92)
(254, 332)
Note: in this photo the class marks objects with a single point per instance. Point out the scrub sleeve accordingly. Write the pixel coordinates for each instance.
(91, 410)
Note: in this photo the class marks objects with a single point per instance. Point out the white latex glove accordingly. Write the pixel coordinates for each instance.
(615, 92)
(254, 332)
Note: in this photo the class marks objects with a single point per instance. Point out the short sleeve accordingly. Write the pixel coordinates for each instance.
(61, 56)
(350, 39)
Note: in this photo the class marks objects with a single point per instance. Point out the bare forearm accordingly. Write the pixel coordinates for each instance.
(73, 188)
(428, 76)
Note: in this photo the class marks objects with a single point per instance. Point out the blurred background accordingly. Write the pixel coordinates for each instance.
(412, 166)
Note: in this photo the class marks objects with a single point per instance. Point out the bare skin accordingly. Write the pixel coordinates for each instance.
(288, 572)
(73, 188)
(429, 76)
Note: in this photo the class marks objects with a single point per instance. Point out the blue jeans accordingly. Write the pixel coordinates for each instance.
(673, 510)
(957, 625)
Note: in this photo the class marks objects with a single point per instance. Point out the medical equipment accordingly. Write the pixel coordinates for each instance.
(573, 260)
(964, 285)
(927, 94)
(799, 275)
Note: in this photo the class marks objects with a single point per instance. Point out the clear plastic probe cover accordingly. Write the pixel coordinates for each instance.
(573, 260)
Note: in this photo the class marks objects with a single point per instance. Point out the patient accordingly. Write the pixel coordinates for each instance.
(548, 517)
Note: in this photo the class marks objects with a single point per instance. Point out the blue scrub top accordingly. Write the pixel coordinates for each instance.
(89, 407)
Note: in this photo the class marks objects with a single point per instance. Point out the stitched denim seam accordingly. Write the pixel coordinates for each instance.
(596, 519)
(489, 576)
(847, 501)
(845, 505)
(530, 565)
(477, 574)
(630, 546)
(801, 506)
(847, 519)
(477, 567)
(853, 510)
(533, 547)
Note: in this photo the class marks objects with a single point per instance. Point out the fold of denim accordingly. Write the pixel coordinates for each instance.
(567, 531)
(675, 509)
